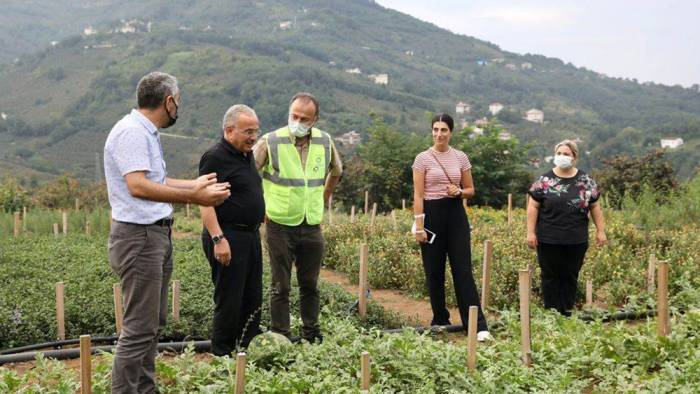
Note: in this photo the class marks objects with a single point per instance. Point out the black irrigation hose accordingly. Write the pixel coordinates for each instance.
(68, 342)
(64, 354)
(624, 315)
(431, 329)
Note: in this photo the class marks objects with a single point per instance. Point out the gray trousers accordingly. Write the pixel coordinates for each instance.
(303, 245)
(142, 257)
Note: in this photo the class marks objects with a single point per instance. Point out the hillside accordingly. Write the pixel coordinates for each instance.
(65, 97)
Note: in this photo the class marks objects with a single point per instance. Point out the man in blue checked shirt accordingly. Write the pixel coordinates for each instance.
(140, 248)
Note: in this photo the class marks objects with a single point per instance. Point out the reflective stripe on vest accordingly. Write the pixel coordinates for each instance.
(293, 193)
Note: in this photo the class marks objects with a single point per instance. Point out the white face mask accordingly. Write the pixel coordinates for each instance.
(297, 129)
(563, 162)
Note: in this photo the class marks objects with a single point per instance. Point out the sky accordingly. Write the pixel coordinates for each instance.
(655, 41)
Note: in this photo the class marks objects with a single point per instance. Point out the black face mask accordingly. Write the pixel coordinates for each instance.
(171, 119)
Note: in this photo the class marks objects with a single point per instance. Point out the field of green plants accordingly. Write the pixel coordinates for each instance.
(569, 355)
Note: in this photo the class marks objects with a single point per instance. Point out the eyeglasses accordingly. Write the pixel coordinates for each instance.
(251, 132)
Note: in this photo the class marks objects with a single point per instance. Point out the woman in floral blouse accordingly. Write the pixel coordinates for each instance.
(557, 225)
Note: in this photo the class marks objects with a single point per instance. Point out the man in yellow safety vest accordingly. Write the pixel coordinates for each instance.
(301, 167)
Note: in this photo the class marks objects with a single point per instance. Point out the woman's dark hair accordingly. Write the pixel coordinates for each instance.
(443, 117)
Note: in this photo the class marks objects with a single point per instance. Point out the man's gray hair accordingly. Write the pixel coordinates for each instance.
(154, 88)
(232, 114)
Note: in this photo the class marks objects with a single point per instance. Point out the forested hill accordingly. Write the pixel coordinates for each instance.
(69, 71)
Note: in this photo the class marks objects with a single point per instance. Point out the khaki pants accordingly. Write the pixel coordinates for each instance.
(301, 245)
(142, 258)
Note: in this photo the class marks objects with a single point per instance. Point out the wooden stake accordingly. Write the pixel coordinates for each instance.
(187, 210)
(17, 225)
(524, 284)
(393, 220)
(240, 373)
(486, 275)
(60, 311)
(55, 229)
(366, 202)
(352, 214)
(362, 297)
(85, 365)
(87, 228)
(589, 293)
(365, 371)
(330, 210)
(663, 320)
(24, 219)
(118, 307)
(651, 272)
(64, 215)
(176, 300)
(510, 208)
(77, 205)
(374, 214)
(403, 204)
(471, 337)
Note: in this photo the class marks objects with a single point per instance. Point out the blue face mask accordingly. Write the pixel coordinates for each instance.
(297, 129)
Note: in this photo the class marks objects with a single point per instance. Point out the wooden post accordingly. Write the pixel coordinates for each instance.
(589, 293)
(486, 275)
(393, 220)
(60, 311)
(471, 337)
(352, 214)
(403, 204)
(64, 216)
(77, 205)
(87, 228)
(17, 226)
(118, 307)
(55, 229)
(85, 365)
(24, 219)
(240, 373)
(374, 214)
(330, 210)
(187, 210)
(651, 272)
(524, 282)
(663, 320)
(176, 300)
(366, 202)
(510, 208)
(365, 371)
(362, 297)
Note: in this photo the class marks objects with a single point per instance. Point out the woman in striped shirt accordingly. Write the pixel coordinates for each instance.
(441, 179)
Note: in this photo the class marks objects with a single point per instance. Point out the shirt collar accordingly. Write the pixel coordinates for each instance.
(145, 122)
(232, 149)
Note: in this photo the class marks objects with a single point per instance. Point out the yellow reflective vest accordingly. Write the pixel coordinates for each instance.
(293, 193)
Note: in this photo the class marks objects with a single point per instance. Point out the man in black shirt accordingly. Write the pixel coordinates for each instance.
(230, 237)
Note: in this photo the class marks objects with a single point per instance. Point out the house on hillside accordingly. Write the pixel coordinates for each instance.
(535, 116)
(286, 25)
(462, 108)
(89, 31)
(511, 66)
(498, 60)
(504, 136)
(3, 116)
(671, 143)
(380, 79)
(526, 66)
(495, 108)
(481, 122)
(349, 139)
(353, 71)
(482, 62)
(409, 52)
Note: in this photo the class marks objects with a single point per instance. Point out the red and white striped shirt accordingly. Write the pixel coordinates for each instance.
(436, 182)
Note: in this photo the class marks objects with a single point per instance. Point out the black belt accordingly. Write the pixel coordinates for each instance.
(165, 222)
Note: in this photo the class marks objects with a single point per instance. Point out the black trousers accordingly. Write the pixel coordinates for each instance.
(237, 290)
(560, 266)
(446, 218)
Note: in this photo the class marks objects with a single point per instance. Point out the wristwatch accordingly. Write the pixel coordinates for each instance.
(217, 238)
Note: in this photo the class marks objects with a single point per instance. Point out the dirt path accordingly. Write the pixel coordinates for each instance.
(392, 300)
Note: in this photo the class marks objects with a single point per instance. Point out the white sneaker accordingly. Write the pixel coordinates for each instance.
(483, 336)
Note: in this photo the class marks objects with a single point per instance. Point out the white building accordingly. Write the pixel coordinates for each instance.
(511, 66)
(504, 135)
(128, 26)
(534, 115)
(498, 60)
(286, 25)
(526, 66)
(495, 108)
(671, 143)
(89, 31)
(548, 159)
(409, 52)
(353, 71)
(481, 122)
(349, 138)
(3, 116)
(380, 79)
(462, 108)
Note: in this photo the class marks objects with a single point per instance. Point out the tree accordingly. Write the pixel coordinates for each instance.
(12, 195)
(628, 176)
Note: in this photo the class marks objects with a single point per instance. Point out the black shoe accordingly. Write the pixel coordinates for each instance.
(314, 339)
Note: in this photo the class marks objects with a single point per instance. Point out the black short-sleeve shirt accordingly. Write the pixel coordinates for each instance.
(246, 205)
(564, 205)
